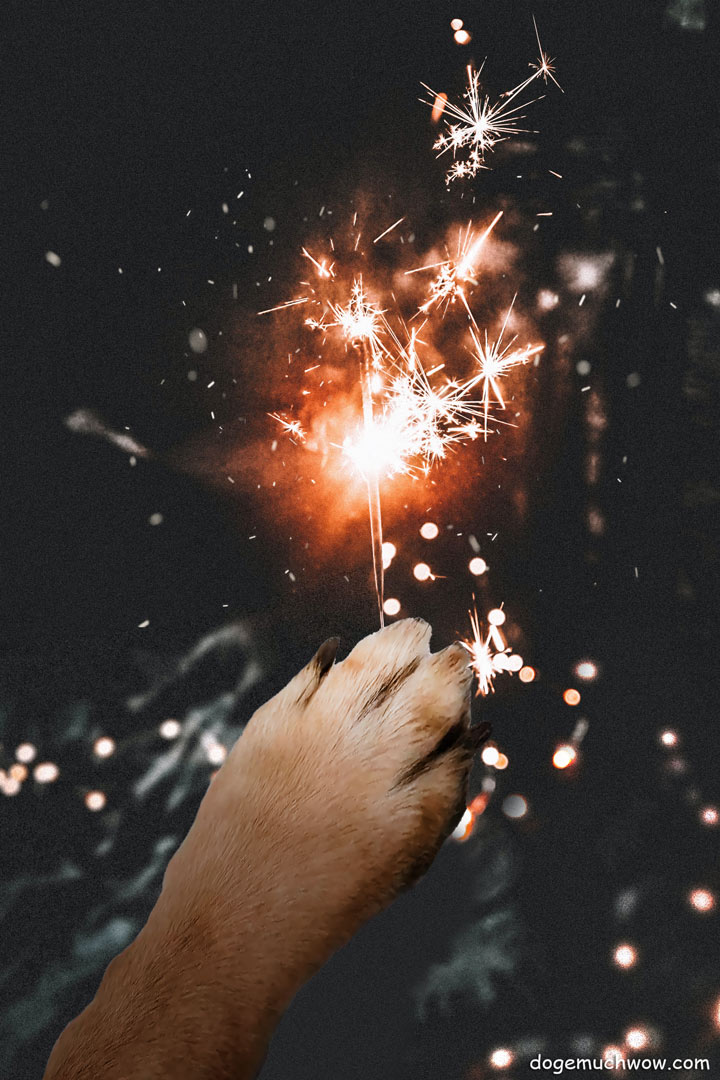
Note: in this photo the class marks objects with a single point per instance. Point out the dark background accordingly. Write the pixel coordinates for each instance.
(119, 120)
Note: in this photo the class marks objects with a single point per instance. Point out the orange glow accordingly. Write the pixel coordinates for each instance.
(571, 697)
(477, 566)
(527, 674)
(502, 762)
(702, 900)
(613, 1053)
(438, 107)
(564, 756)
(625, 956)
(716, 1013)
(501, 1058)
(467, 822)
(391, 606)
(429, 530)
(18, 772)
(422, 571)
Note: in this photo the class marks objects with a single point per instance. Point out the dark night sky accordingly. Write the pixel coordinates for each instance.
(118, 120)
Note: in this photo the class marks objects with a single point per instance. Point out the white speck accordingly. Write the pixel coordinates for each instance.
(192, 376)
(583, 389)
(636, 572)
(581, 301)
(197, 340)
(231, 479)
(53, 258)
(240, 193)
(133, 460)
(583, 367)
(634, 379)
(142, 625)
(210, 384)
(155, 519)
(225, 208)
(617, 302)
(661, 260)
(269, 224)
(250, 249)
(210, 281)
(120, 269)
(673, 306)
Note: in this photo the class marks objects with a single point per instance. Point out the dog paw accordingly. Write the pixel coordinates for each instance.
(347, 782)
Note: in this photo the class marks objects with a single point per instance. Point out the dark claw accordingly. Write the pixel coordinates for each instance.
(325, 656)
(477, 736)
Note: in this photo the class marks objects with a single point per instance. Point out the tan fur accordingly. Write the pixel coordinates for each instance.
(330, 803)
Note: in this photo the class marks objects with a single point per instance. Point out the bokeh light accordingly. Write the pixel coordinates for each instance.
(669, 737)
(429, 530)
(702, 900)
(564, 756)
(490, 755)
(391, 606)
(502, 1058)
(571, 696)
(104, 746)
(422, 571)
(637, 1037)
(46, 772)
(515, 806)
(389, 551)
(95, 800)
(496, 617)
(462, 37)
(26, 752)
(527, 674)
(586, 670)
(170, 729)
(625, 956)
(710, 815)
(477, 566)
(502, 762)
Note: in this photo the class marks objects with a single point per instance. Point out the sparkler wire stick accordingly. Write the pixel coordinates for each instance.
(373, 483)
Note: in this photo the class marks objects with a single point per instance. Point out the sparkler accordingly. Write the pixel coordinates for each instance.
(475, 125)
(490, 653)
